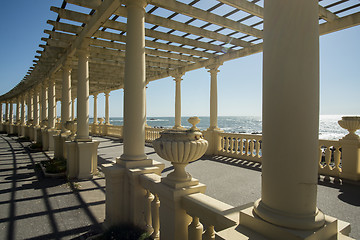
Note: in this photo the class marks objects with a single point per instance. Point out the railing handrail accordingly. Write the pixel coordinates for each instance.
(210, 210)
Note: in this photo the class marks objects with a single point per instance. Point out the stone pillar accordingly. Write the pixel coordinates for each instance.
(22, 131)
(6, 111)
(95, 109)
(30, 106)
(44, 116)
(107, 118)
(83, 94)
(44, 105)
(124, 194)
(213, 70)
(36, 108)
(51, 130)
(11, 113)
(212, 133)
(73, 109)
(290, 112)
(52, 105)
(18, 110)
(134, 83)
(65, 96)
(1, 117)
(177, 79)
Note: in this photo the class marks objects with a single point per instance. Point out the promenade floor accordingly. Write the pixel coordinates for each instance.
(34, 207)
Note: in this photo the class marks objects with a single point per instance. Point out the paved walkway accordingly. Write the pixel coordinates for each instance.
(34, 207)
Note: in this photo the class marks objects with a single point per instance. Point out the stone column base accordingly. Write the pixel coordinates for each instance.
(211, 135)
(252, 226)
(37, 134)
(81, 159)
(23, 131)
(12, 129)
(44, 139)
(59, 145)
(124, 194)
(50, 136)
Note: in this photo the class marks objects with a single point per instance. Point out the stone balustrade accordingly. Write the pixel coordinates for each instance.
(330, 158)
(244, 146)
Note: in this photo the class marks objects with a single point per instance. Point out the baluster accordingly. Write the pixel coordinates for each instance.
(222, 144)
(328, 158)
(246, 147)
(195, 229)
(320, 158)
(236, 146)
(232, 143)
(148, 199)
(257, 149)
(209, 233)
(241, 146)
(155, 205)
(337, 155)
(251, 147)
(227, 144)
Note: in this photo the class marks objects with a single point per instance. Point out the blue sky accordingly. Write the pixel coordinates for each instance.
(239, 82)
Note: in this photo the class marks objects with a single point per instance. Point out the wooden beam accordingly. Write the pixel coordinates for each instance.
(197, 13)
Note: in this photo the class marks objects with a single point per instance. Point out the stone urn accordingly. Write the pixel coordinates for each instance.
(352, 124)
(101, 120)
(181, 147)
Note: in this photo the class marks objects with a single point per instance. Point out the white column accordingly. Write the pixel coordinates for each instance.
(11, 114)
(83, 94)
(52, 105)
(36, 107)
(30, 112)
(7, 110)
(65, 96)
(72, 109)
(134, 83)
(107, 118)
(95, 109)
(213, 70)
(177, 79)
(43, 101)
(18, 110)
(290, 115)
(22, 120)
(1, 112)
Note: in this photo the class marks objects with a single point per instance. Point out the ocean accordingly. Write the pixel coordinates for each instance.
(329, 129)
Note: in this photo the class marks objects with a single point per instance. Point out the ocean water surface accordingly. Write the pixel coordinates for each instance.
(328, 126)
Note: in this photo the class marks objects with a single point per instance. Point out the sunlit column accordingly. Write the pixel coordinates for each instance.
(11, 114)
(52, 104)
(213, 70)
(18, 109)
(44, 101)
(177, 79)
(65, 96)
(72, 109)
(36, 106)
(95, 109)
(1, 112)
(30, 105)
(83, 94)
(290, 111)
(22, 119)
(6, 110)
(107, 118)
(134, 83)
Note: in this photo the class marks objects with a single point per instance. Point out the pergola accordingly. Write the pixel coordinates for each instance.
(180, 36)
(98, 46)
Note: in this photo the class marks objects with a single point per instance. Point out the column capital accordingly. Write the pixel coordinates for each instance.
(84, 48)
(213, 68)
(95, 95)
(137, 3)
(178, 77)
(107, 93)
